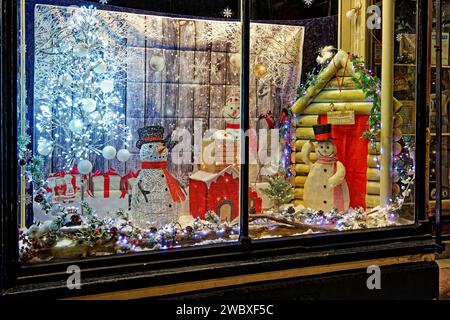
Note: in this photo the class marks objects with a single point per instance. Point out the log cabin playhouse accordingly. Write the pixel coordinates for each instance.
(336, 89)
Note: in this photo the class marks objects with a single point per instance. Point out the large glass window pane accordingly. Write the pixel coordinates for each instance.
(128, 131)
(346, 148)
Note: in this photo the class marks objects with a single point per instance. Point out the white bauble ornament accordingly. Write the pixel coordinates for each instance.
(95, 116)
(123, 155)
(109, 152)
(44, 148)
(235, 61)
(107, 86)
(65, 80)
(101, 68)
(76, 125)
(157, 63)
(81, 50)
(84, 167)
(88, 105)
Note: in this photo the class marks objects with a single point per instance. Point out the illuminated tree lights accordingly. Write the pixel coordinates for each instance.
(79, 109)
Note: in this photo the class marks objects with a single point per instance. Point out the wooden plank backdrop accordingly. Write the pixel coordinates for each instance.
(194, 84)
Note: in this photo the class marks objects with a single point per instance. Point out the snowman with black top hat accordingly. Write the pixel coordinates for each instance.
(155, 193)
(325, 187)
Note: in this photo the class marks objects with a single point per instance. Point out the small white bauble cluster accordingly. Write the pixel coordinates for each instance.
(157, 63)
(76, 125)
(107, 86)
(123, 155)
(88, 105)
(109, 152)
(85, 167)
(101, 68)
(65, 80)
(81, 50)
(44, 147)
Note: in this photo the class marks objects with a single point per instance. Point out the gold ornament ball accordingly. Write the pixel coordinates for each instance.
(397, 148)
(397, 134)
(260, 71)
(398, 121)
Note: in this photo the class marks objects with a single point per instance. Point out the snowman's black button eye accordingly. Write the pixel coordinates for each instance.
(325, 202)
(170, 206)
(328, 148)
(162, 176)
(324, 170)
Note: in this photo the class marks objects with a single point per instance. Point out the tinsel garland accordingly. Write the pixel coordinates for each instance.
(117, 235)
(33, 173)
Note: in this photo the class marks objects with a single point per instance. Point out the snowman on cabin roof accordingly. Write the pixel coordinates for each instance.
(325, 187)
(156, 194)
(232, 114)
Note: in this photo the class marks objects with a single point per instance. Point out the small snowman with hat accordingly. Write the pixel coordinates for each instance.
(325, 187)
(155, 192)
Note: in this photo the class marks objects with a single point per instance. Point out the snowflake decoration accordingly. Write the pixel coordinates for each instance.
(227, 13)
(308, 2)
(399, 37)
(27, 199)
(103, 1)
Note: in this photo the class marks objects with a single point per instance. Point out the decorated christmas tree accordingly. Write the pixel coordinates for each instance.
(79, 110)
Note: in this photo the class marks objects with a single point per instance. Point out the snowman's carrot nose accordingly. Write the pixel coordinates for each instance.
(161, 149)
(234, 113)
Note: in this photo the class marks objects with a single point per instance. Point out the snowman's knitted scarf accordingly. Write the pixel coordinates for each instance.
(174, 188)
(338, 191)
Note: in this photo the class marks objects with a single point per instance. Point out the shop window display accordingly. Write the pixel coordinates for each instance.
(129, 129)
(333, 153)
(130, 135)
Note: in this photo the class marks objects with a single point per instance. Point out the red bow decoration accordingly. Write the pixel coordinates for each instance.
(125, 181)
(268, 117)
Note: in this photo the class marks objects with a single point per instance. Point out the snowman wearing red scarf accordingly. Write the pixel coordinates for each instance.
(156, 194)
(325, 187)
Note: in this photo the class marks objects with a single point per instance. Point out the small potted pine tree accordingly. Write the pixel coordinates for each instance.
(280, 190)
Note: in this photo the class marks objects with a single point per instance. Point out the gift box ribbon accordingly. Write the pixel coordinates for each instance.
(124, 183)
(106, 181)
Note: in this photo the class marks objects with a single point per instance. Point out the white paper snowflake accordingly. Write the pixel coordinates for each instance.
(227, 13)
(103, 1)
(308, 2)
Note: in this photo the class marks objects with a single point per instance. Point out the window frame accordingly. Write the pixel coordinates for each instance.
(306, 249)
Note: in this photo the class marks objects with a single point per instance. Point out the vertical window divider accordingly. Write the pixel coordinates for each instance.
(422, 106)
(9, 252)
(438, 48)
(244, 237)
